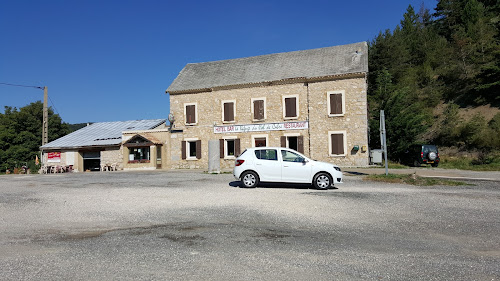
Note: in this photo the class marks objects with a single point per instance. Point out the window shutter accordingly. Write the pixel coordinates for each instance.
(337, 144)
(183, 150)
(300, 144)
(283, 141)
(290, 107)
(229, 111)
(336, 104)
(236, 147)
(190, 114)
(198, 149)
(221, 148)
(258, 108)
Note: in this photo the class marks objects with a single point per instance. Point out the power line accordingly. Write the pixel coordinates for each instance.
(36, 87)
(53, 105)
(26, 86)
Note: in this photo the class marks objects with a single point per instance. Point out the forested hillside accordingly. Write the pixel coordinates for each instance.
(432, 71)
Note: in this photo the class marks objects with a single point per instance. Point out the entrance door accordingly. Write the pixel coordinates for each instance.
(91, 160)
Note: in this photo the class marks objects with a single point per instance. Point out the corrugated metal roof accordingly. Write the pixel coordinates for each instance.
(102, 134)
(322, 62)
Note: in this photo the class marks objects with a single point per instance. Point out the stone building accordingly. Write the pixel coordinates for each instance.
(314, 101)
(121, 144)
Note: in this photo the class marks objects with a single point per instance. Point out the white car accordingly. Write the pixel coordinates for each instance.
(278, 164)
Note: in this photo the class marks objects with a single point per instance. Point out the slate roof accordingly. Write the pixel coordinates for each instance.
(102, 134)
(322, 62)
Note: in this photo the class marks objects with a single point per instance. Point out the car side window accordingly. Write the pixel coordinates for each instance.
(289, 156)
(266, 154)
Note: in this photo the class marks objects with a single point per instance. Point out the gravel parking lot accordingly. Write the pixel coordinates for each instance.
(184, 225)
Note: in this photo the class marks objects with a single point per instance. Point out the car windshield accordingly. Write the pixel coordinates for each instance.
(429, 148)
(242, 152)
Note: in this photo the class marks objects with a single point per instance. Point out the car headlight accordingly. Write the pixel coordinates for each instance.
(336, 168)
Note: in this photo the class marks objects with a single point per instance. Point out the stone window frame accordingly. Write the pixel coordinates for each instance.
(330, 150)
(188, 143)
(223, 111)
(328, 102)
(223, 143)
(266, 136)
(195, 113)
(285, 141)
(253, 109)
(297, 111)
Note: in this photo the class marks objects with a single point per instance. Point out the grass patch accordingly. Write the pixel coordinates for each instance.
(463, 163)
(412, 179)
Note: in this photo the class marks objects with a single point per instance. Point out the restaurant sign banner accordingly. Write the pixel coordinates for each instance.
(285, 126)
(54, 157)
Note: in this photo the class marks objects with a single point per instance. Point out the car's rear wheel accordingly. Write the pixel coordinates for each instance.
(416, 163)
(322, 181)
(250, 179)
(434, 164)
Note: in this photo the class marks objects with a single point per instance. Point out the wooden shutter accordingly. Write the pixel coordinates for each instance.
(221, 148)
(236, 147)
(198, 149)
(228, 111)
(290, 107)
(337, 144)
(190, 114)
(183, 150)
(283, 141)
(258, 109)
(336, 104)
(300, 144)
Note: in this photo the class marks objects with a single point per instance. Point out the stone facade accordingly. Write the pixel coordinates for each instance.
(112, 155)
(313, 107)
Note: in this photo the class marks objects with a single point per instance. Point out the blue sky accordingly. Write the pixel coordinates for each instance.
(112, 60)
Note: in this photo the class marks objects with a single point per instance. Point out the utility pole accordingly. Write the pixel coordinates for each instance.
(45, 126)
(383, 139)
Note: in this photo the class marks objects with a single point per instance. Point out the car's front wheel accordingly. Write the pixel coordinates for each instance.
(322, 181)
(250, 179)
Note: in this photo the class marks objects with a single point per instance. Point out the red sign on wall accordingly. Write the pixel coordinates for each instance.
(54, 157)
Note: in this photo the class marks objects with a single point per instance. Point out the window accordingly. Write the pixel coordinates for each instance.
(191, 149)
(293, 141)
(228, 111)
(259, 140)
(336, 103)
(290, 106)
(138, 154)
(337, 143)
(259, 109)
(266, 154)
(191, 113)
(229, 147)
(289, 156)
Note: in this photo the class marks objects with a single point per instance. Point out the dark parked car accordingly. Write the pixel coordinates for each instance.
(419, 154)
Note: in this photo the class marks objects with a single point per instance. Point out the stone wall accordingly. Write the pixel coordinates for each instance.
(209, 111)
(112, 155)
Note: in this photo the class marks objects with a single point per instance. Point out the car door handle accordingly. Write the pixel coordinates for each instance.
(285, 166)
(258, 164)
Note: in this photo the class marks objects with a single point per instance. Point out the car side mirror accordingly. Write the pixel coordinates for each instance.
(304, 161)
